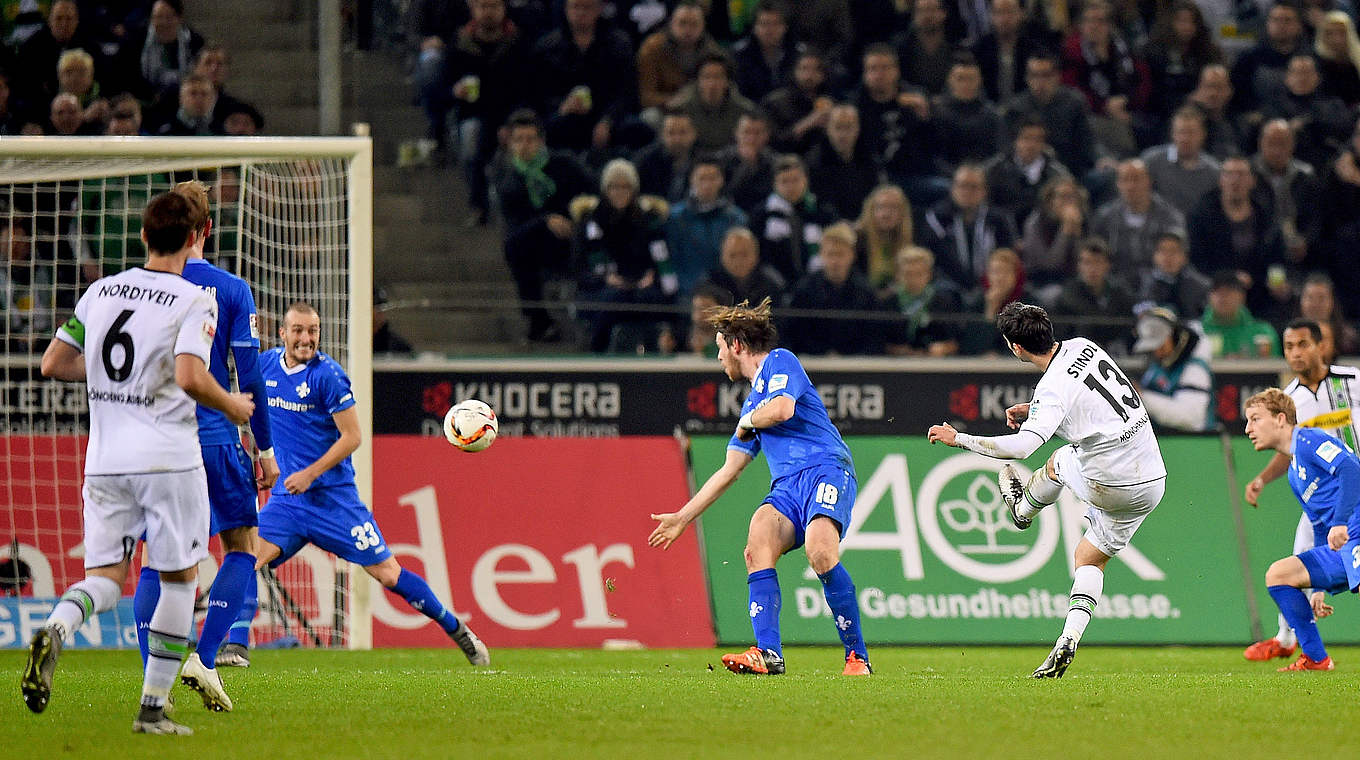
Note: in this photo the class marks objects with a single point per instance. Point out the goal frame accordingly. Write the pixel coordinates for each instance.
(357, 152)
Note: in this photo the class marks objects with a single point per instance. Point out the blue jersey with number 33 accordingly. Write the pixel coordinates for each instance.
(301, 402)
(808, 439)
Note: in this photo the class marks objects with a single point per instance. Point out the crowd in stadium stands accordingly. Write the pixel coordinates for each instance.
(893, 172)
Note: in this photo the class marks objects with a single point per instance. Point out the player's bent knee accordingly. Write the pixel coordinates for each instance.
(1051, 469)
(1287, 572)
(821, 559)
(386, 572)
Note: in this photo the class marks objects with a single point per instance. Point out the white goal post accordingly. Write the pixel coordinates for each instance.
(293, 217)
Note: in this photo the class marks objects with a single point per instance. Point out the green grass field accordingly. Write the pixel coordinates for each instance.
(547, 704)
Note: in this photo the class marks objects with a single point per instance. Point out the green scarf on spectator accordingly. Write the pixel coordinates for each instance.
(536, 181)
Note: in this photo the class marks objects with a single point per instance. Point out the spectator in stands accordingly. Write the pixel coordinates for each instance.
(1098, 62)
(214, 62)
(925, 52)
(877, 21)
(1052, 234)
(713, 103)
(580, 90)
(167, 55)
(1003, 283)
(884, 228)
(28, 287)
(1178, 384)
(1338, 52)
(1015, 176)
(385, 339)
(1134, 222)
(1294, 186)
(66, 117)
(764, 59)
(1181, 46)
(799, 110)
(824, 26)
(197, 99)
(1259, 72)
(1094, 304)
(700, 339)
(837, 286)
(895, 127)
(10, 123)
(1339, 229)
(1063, 110)
(75, 75)
(970, 129)
(125, 116)
(437, 24)
(928, 304)
(670, 58)
(38, 56)
(1318, 303)
(1172, 282)
(699, 224)
(1320, 121)
(739, 274)
(840, 167)
(621, 242)
(1212, 97)
(1232, 331)
(748, 163)
(486, 68)
(534, 187)
(790, 222)
(240, 119)
(1232, 229)
(664, 165)
(963, 230)
(1181, 171)
(1003, 52)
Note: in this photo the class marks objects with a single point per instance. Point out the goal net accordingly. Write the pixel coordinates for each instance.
(292, 216)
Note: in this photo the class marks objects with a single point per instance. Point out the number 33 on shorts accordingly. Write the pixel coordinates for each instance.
(364, 536)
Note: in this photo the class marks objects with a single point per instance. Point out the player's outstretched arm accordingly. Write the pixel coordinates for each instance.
(672, 524)
(1015, 446)
(1277, 466)
(62, 361)
(347, 423)
(191, 374)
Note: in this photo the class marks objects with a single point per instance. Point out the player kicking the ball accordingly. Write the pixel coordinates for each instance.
(1114, 464)
(316, 429)
(1325, 476)
(811, 494)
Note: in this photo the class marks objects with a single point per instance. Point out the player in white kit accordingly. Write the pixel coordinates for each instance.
(1325, 397)
(1113, 463)
(140, 340)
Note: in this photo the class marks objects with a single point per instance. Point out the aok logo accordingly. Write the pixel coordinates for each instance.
(958, 514)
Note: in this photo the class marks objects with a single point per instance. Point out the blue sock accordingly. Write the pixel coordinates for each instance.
(1293, 604)
(764, 588)
(840, 597)
(250, 603)
(224, 603)
(144, 602)
(417, 593)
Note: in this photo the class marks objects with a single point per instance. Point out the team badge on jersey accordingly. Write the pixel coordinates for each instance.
(303, 390)
(209, 332)
(255, 326)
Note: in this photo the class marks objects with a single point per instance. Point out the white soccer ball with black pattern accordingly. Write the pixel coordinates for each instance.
(471, 425)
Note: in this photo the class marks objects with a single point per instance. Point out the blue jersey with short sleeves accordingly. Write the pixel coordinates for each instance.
(1318, 458)
(808, 439)
(236, 326)
(301, 402)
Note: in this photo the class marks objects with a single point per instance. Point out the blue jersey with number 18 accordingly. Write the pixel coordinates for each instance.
(808, 439)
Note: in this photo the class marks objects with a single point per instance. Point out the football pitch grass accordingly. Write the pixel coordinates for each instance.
(923, 702)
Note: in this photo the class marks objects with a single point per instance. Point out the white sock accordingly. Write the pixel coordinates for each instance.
(1086, 587)
(167, 640)
(1040, 491)
(91, 596)
(1286, 635)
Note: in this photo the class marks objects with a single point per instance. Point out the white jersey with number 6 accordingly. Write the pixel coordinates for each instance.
(1085, 399)
(130, 327)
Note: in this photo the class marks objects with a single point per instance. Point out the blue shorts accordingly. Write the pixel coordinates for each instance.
(333, 519)
(231, 487)
(1333, 571)
(826, 490)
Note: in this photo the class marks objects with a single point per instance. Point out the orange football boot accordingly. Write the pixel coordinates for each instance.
(854, 666)
(755, 661)
(1306, 663)
(1268, 649)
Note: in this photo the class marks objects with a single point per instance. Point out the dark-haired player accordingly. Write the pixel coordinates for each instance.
(812, 490)
(1113, 464)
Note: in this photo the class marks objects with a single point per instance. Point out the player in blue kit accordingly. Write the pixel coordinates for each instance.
(315, 501)
(232, 485)
(812, 490)
(1325, 476)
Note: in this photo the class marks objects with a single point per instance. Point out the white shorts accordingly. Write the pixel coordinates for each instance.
(169, 508)
(1116, 511)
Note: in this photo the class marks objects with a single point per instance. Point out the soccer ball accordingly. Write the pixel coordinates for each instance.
(471, 425)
